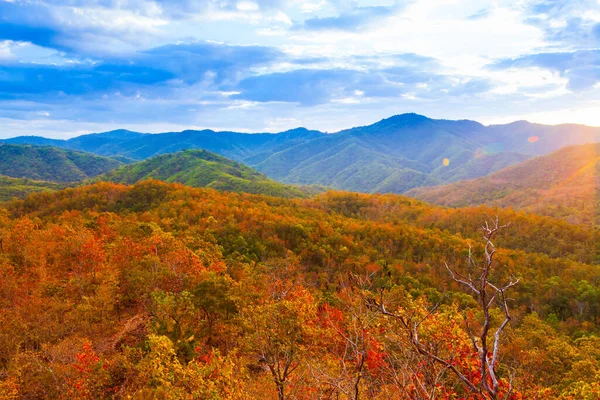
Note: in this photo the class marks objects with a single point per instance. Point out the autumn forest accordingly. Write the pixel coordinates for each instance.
(299, 200)
(160, 291)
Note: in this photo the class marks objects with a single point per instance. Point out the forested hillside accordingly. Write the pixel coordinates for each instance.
(201, 168)
(52, 164)
(158, 290)
(19, 188)
(563, 184)
(390, 156)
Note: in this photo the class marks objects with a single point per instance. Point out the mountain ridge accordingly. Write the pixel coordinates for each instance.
(304, 129)
(202, 168)
(48, 163)
(393, 155)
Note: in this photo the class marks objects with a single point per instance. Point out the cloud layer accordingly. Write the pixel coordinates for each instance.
(74, 66)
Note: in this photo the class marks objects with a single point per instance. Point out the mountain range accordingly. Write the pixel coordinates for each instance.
(393, 155)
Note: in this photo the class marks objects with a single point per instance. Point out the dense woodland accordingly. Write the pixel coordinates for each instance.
(162, 291)
(20, 187)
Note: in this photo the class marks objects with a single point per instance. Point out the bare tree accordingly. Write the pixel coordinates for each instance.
(487, 294)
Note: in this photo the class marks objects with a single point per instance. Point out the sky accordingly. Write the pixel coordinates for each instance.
(69, 67)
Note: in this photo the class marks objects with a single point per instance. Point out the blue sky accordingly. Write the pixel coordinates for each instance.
(69, 67)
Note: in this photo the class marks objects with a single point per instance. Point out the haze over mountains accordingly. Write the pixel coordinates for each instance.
(394, 155)
(563, 184)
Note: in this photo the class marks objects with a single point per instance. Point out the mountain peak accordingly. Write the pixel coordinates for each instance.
(299, 129)
(117, 134)
(300, 132)
(519, 123)
(408, 119)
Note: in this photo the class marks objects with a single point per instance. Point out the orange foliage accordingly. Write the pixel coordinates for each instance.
(109, 291)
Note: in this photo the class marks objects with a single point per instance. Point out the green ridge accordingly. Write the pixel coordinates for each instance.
(47, 163)
(201, 168)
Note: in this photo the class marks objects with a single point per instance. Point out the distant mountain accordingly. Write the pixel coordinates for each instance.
(140, 146)
(52, 164)
(392, 155)
(201, 168)
(11, 188)
(563, 184)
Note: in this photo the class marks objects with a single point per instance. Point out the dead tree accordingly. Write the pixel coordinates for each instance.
(487, 294)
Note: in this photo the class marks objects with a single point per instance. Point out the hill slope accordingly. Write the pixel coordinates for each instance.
(52, 164)
(201, 168)
(563, 184)
(392, 155)
(19, 188)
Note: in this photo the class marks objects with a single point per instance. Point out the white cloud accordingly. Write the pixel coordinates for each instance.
(5, 50)
(464, 37)
(311, 7)
(431, 30)
(282, 17)
(247, 6)
(528, 81)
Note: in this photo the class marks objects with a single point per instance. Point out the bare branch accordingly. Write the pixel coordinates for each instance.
(414, 340)
(462, 279)
(487, 294)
